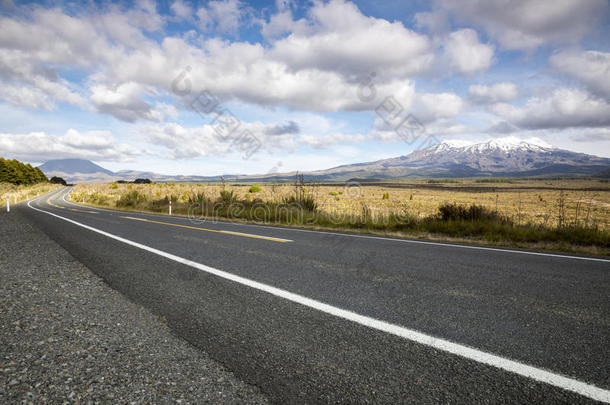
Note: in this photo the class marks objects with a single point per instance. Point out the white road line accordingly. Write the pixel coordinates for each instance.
(538, 374)
(383, 238)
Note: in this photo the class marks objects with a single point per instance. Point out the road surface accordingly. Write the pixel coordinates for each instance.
(321, 317)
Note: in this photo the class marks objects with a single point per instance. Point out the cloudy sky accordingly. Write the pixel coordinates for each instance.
(228, 86)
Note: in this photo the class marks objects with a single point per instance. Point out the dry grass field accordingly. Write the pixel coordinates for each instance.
(23, 193)
(542, 202)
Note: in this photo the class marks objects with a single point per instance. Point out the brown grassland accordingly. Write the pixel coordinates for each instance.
(23, 193)
(568, 214)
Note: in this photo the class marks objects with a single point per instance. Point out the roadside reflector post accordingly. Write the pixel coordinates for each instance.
(170, 207)
(15, 195)
(8, 204)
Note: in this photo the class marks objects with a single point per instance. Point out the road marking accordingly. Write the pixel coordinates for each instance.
(74, 209)
(382, 238)
(66, 208)
(525, 370)
(50, 203)
(248, 235)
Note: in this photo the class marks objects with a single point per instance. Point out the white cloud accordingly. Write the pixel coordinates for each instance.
(125, 102)
(27, 97)
(182, 10)
(590, 67)
(186, 143)
(338, 37)
(221, 15)
(40, 146)
(432, 106)
(562, 108)
(466, 54)
(525, 24)
(278, 25)
(499, 92)
(329, 140)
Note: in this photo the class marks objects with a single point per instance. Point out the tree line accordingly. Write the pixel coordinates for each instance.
(16, 172)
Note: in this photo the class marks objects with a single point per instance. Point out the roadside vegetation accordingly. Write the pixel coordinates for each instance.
(15, 172)
(568, 215)
(20, 181)
(23, 193)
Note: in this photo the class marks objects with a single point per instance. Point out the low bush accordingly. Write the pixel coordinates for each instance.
(131, 199)
(473, 212)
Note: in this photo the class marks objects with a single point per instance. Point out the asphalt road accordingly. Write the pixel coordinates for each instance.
(320, 317)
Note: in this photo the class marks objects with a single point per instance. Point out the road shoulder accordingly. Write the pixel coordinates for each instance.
(66, 336)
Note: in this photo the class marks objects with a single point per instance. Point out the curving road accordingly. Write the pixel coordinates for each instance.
(322, 317)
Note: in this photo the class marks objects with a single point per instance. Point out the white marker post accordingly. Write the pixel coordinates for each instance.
(170, 207)
(8, 204)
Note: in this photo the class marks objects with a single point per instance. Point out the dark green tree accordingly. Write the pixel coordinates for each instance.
(14, 172)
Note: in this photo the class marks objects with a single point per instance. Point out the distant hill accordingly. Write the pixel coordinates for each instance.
(73, 166)
(494, 158)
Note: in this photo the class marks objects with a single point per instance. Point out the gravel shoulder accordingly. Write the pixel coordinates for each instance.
(65, 336)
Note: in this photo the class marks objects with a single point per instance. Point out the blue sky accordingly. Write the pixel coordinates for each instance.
(296, 85)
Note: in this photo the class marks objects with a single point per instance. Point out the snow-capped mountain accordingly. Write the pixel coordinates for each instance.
(497, 157)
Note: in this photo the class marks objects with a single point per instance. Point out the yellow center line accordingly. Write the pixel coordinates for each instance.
(71, 209)
(90, 212)
(50, 203)
(247, 235)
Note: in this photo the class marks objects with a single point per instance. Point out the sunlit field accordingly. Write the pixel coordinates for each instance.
(23, 193)
(561, 212)
(545, 202)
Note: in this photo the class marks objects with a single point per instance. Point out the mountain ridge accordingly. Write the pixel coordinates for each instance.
(497, 157)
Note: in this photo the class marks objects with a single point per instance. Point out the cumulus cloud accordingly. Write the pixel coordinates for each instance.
(563, 108)
(433, 106)
(317, 67)
(499, 92)
(222, 15)
(524, 24)
(41, 146)
(181, 10)
(590, 67)
(181, 142)
(329, 140)
(338, 37)
(125, 102)
(27, 97)
(502, 127)
(466, 54)
(591, 135)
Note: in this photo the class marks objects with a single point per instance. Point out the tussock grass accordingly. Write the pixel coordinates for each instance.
(518, 214)
(23, 192)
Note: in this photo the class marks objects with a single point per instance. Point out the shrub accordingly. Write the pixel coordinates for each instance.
(131, 199)
(333, 193)
(254, 189)
(303, 201)
(473, 212)
(386, 196)
(227, 197)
